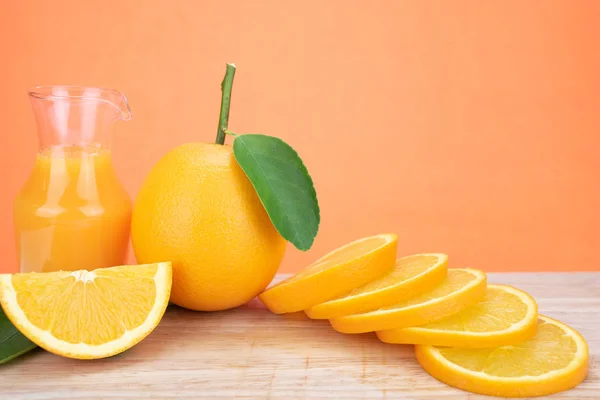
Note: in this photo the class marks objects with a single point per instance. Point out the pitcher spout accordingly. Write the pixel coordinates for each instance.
(77, 115)
(119, 101)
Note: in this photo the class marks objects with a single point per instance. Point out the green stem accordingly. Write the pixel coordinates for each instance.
(226, 86)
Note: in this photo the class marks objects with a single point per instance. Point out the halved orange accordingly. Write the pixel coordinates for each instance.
(462, 288)
(505, 316)
(334, 274)
(87, 314)
(555, 359)
(412, 275)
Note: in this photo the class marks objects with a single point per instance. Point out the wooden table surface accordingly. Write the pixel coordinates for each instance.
(252, 354)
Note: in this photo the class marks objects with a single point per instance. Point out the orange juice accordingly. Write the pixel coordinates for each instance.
(72, 213)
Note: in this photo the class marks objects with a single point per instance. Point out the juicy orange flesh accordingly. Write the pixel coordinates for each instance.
(455, 280)
(355, 250)
(406, 268)
(498, 311)
(349, 252)
(80, 306)
(551, 349)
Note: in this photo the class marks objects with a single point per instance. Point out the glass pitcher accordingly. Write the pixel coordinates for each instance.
(73, 213)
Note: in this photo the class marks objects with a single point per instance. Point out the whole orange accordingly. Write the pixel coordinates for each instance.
(197, 209)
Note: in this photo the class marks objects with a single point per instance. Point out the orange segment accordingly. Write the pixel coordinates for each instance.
(334, 274)
(87, 314)
(462, 288)
(505, 316)
(556, 359)
(412, 275)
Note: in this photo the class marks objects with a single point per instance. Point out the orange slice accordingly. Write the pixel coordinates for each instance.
(334, 274)
(87, 314)
(462, 288)
(412, 275)
(556, 359)
(505, 316)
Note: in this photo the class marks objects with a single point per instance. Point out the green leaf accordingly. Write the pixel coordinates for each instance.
(12, 342)
(283, 186)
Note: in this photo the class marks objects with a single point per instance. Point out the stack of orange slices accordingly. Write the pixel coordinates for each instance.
(487, 339)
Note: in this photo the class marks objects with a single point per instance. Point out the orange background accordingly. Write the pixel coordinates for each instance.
(467, 127)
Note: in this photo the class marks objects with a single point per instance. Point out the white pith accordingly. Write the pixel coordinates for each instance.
(84, 276)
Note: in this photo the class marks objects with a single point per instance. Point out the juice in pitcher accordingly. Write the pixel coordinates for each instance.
(73, 213)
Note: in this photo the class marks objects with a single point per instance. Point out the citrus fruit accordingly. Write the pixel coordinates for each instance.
(555, 359)
(334, 274)
(197, 209)
(87, 314)
(505, 316)
(462, 288)
(412, 275)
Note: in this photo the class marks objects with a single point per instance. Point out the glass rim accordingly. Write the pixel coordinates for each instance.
(72, 92)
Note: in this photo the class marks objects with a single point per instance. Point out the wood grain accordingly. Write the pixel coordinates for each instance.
(249, 353)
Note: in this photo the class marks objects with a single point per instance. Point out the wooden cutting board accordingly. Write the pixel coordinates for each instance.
(249, 353)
